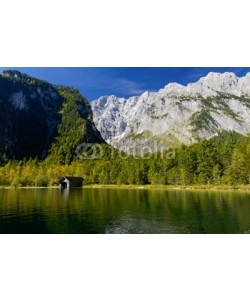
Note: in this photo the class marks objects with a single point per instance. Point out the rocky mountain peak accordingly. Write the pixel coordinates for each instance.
(176, 114)
(12, 73)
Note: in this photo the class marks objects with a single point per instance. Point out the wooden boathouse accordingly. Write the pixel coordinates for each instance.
(67, 182)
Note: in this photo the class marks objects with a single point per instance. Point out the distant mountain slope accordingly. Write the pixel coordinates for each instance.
(175, 114)
(38, 117)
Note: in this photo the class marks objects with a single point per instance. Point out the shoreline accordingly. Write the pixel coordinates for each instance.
(172, 187)
(156, 187)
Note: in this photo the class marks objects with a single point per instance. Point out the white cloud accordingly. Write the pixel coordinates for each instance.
(101, 80)
(127, 86)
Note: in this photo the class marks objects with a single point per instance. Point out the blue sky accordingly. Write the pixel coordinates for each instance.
(122, 82)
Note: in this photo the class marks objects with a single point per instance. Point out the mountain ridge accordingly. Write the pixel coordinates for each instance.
(176, 114)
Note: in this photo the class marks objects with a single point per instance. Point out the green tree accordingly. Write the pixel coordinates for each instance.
(239, 169)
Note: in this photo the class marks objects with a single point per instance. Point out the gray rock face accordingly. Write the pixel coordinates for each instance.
(175, 114)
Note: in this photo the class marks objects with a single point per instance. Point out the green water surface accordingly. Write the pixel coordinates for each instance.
(91, 210)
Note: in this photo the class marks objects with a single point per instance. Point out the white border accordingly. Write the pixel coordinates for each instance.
(124, 33)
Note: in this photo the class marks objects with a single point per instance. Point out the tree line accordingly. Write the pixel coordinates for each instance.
(222, 160)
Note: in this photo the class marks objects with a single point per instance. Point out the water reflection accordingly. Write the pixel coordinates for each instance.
(127, 224)
(123, 211)
(64, 194)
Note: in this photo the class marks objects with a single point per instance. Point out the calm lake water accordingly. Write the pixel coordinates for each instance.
(92, 210)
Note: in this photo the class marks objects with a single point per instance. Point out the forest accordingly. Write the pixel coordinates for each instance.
(222, 160)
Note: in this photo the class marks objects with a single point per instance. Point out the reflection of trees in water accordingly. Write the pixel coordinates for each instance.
(205, 211)
(129, 210)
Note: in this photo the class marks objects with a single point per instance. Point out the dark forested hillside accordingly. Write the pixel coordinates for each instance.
(76, 127)
(36, 114)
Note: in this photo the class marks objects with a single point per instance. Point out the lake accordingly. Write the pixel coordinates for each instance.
(96, 210)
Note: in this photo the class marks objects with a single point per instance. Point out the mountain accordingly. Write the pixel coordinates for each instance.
(176, 114)
(40, 119)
